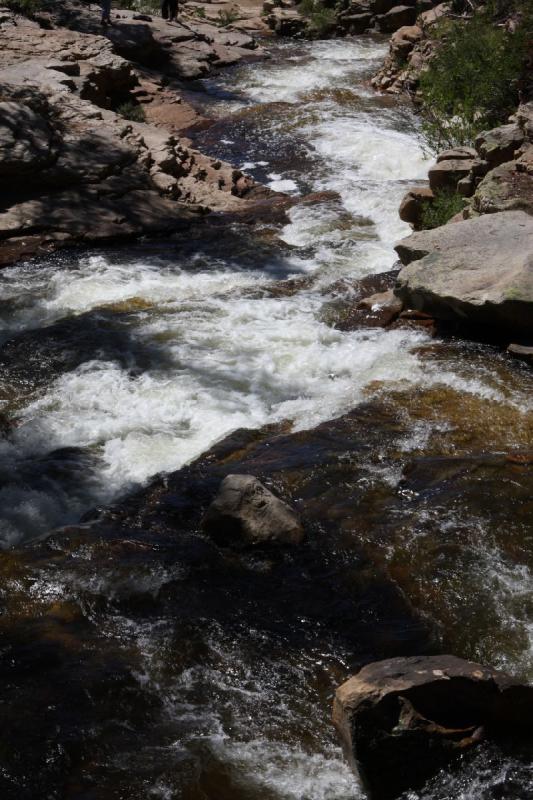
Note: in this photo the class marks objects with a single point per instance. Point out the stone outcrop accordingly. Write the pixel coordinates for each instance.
(500, 144)
(246, 512)
(496, 175)
(447, 172)
(189, 48)
(90, 174)
(410, 48)
(349, 17)
(477, 271)
(285, 21)
(404, 719)
(412, 205)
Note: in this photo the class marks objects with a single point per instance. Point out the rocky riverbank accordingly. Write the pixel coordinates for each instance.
(346, 18)
(477, 269)
(93, 142)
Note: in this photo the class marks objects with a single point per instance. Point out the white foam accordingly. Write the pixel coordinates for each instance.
(334, 64)
(280, 184)
(288, 771)
(237, 362)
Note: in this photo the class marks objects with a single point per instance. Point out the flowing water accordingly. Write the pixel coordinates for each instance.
(121, 364)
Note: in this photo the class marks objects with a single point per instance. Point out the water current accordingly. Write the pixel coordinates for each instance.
(121, 364)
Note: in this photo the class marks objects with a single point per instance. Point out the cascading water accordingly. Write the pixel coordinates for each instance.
(119, 365)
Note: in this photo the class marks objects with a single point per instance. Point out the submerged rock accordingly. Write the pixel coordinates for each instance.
(404, 719)
(245, 511)
(478, 271)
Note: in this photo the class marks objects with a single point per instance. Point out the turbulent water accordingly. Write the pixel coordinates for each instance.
(122, 364)
(198, 355)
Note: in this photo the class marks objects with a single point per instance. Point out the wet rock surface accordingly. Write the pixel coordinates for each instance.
(403, 720)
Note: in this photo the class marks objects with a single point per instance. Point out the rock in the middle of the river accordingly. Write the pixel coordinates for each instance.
(404, 719)
(246, 512)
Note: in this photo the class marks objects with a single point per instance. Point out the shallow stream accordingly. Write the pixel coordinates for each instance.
(122, 364)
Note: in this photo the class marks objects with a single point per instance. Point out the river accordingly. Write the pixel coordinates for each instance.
(124, 363)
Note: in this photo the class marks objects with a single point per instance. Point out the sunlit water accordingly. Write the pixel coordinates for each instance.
(190, 345)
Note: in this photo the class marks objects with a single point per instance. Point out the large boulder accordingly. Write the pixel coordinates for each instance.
(413, 203)
(384, 6)
(286, 22)
(356, 23)
(397, 17)
(457, 154)
(246, 512)
(500, 144)
(403, 41)
(25, 139)
(446, 174)
(506, 187)
(404, 719)
(477, 271)
(524, 118)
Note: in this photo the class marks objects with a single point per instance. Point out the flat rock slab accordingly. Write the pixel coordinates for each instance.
(403, 719)
(478, 271)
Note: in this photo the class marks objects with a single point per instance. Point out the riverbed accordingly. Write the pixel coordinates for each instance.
(121, 364)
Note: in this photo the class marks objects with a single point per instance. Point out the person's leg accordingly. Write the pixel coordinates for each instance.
(164, 9)
(172, 9)
(106, 11)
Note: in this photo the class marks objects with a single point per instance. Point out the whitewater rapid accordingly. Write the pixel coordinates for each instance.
(218, 352)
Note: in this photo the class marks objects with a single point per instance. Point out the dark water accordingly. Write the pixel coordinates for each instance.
(140, 660)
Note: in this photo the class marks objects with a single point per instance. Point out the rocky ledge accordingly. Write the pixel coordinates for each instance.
(74, 168)
(478, 271)
(346, 18)
(404, 719)
(410, 48)
(478, 268)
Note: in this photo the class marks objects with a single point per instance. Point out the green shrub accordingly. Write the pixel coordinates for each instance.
(131, 110)
(200, 12)
(227, 17)
(321, 19)
(441, 209)
(472, 82)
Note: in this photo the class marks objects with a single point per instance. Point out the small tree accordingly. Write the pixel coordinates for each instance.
(472, 82)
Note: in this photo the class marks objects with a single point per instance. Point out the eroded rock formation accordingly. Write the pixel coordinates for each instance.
(403, 719)
(83, 171)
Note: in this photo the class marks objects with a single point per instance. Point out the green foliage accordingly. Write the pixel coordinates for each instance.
(227, 17)
(472, 83)
(131, 110)
(493, 8)
(200, 12)
(441, 209)
(322, 20)
(26, 8)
